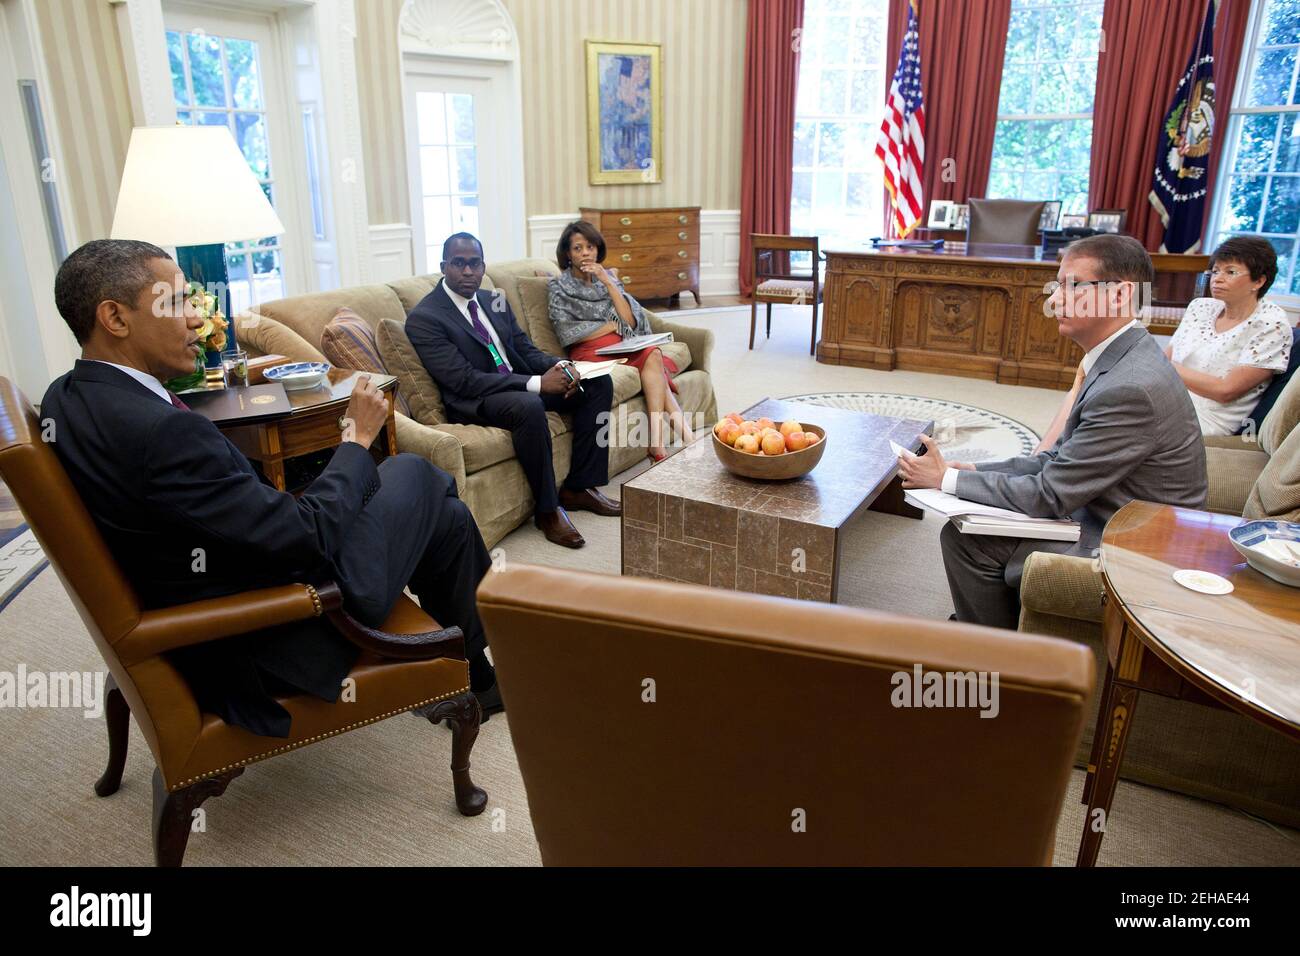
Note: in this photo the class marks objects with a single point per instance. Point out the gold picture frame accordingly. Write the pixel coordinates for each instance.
(624, 81)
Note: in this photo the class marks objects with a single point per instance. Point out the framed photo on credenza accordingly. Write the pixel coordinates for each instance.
(1051, 213)
(1072, 221)
(1107, 220)
(940, 214)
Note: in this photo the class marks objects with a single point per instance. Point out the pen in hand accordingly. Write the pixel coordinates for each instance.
(567, 368)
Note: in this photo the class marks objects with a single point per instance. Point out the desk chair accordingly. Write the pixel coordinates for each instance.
(196, 754)
(714, 727)
(1004, 221)
(773, 281)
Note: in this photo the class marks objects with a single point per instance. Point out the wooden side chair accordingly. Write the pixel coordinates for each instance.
(411, 664)
(774, 282)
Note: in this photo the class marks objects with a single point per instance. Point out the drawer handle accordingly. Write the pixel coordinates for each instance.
(683, 220)
(681, 275)
(626, 279)
(626, 221)
(625, 237)
(682, 236)
(681, 253)
(627, 257)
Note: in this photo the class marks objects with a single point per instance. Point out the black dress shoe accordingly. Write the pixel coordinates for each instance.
(559, 529)
(489, 702)
(590, 499)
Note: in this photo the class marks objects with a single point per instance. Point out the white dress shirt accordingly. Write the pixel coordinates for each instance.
(144, 378)
(462, 303)
(1089, 360)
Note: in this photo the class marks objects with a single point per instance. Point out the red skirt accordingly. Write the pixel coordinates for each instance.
(586, 352)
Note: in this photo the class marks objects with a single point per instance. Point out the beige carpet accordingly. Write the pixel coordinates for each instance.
(382, 795)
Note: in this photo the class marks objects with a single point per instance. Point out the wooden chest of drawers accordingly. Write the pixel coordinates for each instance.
(656, 251)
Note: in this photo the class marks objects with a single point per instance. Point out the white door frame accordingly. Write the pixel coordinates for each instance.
(488, 51)
(330, 25)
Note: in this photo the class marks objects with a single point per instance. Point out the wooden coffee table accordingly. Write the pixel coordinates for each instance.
(688, 519)
(313, 425)
(1239, 651)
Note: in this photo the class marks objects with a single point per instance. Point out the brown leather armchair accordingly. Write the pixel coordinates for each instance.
(722, 728)
(1004, 221)
(410, 664)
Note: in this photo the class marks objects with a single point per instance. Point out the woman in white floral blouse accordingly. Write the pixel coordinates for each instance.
(1228, 347)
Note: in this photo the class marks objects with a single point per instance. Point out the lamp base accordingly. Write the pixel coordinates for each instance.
(206, 265)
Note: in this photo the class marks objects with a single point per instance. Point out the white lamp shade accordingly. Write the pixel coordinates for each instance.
(190, 186)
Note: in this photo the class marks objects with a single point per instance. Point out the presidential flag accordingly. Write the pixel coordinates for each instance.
(901, 145)
(1183, 156)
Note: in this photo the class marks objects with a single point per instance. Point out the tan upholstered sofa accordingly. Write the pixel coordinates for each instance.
(482, 460)
(1215, 754)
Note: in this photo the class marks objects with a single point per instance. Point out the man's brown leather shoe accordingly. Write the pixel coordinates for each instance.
(591, 500)
(559, 529)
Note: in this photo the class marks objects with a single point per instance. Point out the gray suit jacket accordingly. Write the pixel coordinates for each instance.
(1132, 433)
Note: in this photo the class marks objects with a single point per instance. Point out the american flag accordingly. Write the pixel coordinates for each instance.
(901, 146)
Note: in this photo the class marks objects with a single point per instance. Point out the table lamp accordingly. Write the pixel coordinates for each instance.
(190, 187)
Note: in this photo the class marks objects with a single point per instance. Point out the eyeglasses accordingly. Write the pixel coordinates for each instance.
(1228, 273)
(473, 265)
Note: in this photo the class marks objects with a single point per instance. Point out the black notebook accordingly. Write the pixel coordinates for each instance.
(241, 406)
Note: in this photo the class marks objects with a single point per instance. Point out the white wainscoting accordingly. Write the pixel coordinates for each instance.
(719, 246)
(391, 256)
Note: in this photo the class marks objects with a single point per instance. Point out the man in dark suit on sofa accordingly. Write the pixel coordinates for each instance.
(187, 517)
(491, 373)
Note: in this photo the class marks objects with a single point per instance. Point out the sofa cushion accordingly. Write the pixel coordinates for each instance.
(309, 314)
(536, 318)
(413, 380)
(1282, 418)
(260, 335)
(484, 446)
(627, 383)
(411, 291)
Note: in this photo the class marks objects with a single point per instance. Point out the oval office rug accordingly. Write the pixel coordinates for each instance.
(965, 433)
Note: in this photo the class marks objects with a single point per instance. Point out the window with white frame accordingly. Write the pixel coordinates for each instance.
(448, 167)
(838, 182)
(1043, 142)
(1259, 191)
(217, 81)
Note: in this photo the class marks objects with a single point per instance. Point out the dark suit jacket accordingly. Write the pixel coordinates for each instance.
(1132, 433)
(162, 482)
(459, 361)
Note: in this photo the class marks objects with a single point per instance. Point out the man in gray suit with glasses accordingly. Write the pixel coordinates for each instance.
(1132, 433)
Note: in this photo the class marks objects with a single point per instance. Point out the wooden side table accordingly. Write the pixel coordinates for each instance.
(313, 425)
(1239, 651)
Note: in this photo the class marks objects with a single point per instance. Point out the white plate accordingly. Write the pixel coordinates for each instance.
(1203, 581)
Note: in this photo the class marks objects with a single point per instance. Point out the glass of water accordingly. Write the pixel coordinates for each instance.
(235, 365)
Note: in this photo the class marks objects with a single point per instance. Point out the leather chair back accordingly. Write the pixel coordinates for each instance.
(77, 551)
(1004, 221)
(662, 723)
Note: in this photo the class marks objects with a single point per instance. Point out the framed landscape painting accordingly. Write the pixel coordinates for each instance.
(624, 113)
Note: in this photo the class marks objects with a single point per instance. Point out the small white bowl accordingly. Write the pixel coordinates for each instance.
(298, 376)
(1244, 538)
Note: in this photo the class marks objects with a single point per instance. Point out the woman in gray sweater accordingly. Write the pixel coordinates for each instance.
(590, 310)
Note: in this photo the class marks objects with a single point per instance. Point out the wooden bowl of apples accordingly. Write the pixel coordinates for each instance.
(762, 449)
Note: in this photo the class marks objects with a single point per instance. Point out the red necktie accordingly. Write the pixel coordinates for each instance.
(177, 402)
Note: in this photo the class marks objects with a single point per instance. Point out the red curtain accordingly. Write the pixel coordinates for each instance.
(1147, 43)
(963, 44)
(767, 164)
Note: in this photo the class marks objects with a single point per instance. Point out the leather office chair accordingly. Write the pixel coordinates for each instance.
(1012, 222)
(196, 754)
(774, 282)
(723, 728)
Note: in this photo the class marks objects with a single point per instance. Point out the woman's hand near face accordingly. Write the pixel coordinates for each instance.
(596, 272)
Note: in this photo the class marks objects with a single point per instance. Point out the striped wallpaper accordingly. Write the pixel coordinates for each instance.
(703, 68)
(89, 99)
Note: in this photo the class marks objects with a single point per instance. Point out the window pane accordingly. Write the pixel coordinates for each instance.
(1271, 83)
(832, 90)
(804, 138)
(1017, 90)
(212, 119)
(1288, 150)
(466, 170)
(250, 134)
(465, 214)
(176, 59)
(431, 117)
(866, 93)
(830, 145)
(435, 171)
(829, 190)
(437, 217)
(835, 50)
(1281, 22)
(1022, 35)
(460, 107)
(1245, 195)
(205, 70)
(1255, 148)
(245, 83)
(801, 198)
(1282, 212)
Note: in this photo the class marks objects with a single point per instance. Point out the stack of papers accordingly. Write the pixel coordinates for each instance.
(972, 518)
(596, 369)
(636, 344)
